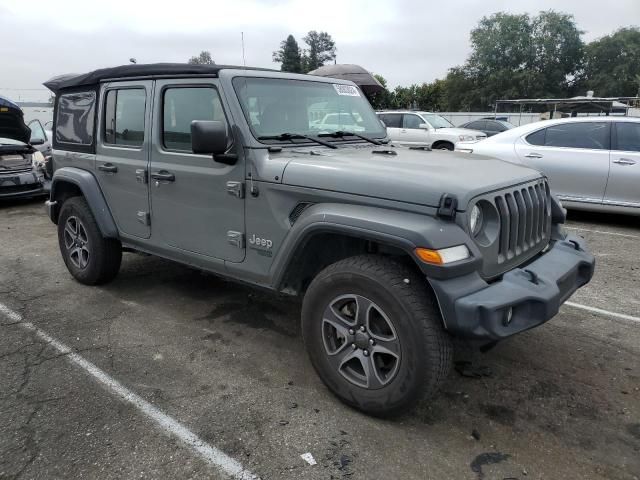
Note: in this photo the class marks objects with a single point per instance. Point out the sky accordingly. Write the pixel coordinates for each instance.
(406, 41)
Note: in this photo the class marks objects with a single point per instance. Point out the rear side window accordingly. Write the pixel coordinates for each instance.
(75, 118)
(124, 117)
(182, 106)
(628, 135)
(392, 120)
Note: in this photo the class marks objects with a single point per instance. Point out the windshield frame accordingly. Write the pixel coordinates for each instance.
(381, 135)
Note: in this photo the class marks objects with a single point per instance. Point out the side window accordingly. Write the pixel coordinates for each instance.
(537, 138)
(124, 117)
(411, 121)
(37, 132)
(628, 135)
(392, 120)
(478, 125)
(75, 118)
(494, 126)
(592, 135)
(183, 105)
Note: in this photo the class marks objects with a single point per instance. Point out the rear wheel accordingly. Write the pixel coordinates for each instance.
(89, 257)
(374, 335)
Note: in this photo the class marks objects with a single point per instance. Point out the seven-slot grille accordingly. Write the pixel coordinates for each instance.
(524, 219)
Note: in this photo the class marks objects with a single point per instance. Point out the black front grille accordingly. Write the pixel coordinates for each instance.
(525, 216)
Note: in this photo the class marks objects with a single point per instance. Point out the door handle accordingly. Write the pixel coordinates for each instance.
(163, 176)
(533, 155)
(625, 161)
(108, 167)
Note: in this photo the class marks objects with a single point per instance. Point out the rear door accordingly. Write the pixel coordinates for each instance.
(393, 122)
(623, 188)
(575, 157)
(411, 133)
(122, 153)
(192, 205)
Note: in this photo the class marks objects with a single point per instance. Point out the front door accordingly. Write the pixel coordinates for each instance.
(575, 157)
(192, 208)
(623, 187)
(123, 154)
(411, 133)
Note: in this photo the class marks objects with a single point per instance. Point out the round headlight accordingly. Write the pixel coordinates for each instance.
(475, 220)
(37, 159)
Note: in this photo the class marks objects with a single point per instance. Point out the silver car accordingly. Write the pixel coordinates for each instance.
(593, 163)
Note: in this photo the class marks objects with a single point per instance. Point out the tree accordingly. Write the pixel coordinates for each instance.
(322, 49)
(289, 56)
(612, 64)
(557, 53)
(522, 56)
(381, 100)
(203, 59)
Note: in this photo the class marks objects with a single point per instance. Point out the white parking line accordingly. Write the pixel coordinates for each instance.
(215, 457)
(603, 312)
(603, 232)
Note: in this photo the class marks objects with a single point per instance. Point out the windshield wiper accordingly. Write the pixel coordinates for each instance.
(293, 136)
(341, 134)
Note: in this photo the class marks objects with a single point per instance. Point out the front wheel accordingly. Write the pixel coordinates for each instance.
(89, 257)
(374, 334)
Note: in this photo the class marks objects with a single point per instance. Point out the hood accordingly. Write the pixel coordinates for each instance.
(461, 131)
(412, 176)
(12, 122)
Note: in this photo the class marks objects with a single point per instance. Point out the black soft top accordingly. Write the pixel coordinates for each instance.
(64, 82)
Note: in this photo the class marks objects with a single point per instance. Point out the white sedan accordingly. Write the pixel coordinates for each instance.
(593, 163)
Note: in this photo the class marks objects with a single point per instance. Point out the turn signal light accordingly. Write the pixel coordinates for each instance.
(443, 255)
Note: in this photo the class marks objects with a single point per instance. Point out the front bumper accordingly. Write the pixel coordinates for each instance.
(22, 184)
(533, 293)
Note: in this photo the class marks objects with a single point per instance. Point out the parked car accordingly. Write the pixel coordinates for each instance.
(394, 250)
(41, 140)
(332, 122)
(22, 166)
(489, 126)
(425, 128)
(593, 163)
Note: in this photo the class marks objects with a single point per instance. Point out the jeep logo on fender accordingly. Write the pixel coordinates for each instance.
(262, 244)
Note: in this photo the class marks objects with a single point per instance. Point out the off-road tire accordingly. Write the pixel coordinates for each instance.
(402, 294)
(104, 254)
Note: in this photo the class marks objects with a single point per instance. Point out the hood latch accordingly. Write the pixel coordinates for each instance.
(448, 206)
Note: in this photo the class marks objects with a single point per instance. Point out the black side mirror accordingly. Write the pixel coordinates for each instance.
(37, 141)
(210, 137)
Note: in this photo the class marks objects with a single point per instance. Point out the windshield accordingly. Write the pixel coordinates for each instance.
(436, 121)
(273, 106)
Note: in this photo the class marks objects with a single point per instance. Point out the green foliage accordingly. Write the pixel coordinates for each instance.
(204, 58)
(321, 49)
(612, 64)
(289, 56)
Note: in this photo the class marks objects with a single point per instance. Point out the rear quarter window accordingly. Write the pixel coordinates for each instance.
(75, 118)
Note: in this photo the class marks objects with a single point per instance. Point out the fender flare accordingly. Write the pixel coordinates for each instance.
(395, 228)
(92, 193)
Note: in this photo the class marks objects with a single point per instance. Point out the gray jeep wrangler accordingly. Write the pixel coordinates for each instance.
(237, 172)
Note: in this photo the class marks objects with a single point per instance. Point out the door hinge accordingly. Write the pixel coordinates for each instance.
(236, 189)
(235, 238)
(144, 218)
(141, 175)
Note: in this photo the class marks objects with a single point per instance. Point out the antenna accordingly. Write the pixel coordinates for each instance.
(244, 62)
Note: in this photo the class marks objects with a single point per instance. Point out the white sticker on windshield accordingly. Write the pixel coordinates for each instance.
(348, 90)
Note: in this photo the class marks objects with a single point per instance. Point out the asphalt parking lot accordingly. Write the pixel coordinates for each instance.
(172, 373)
